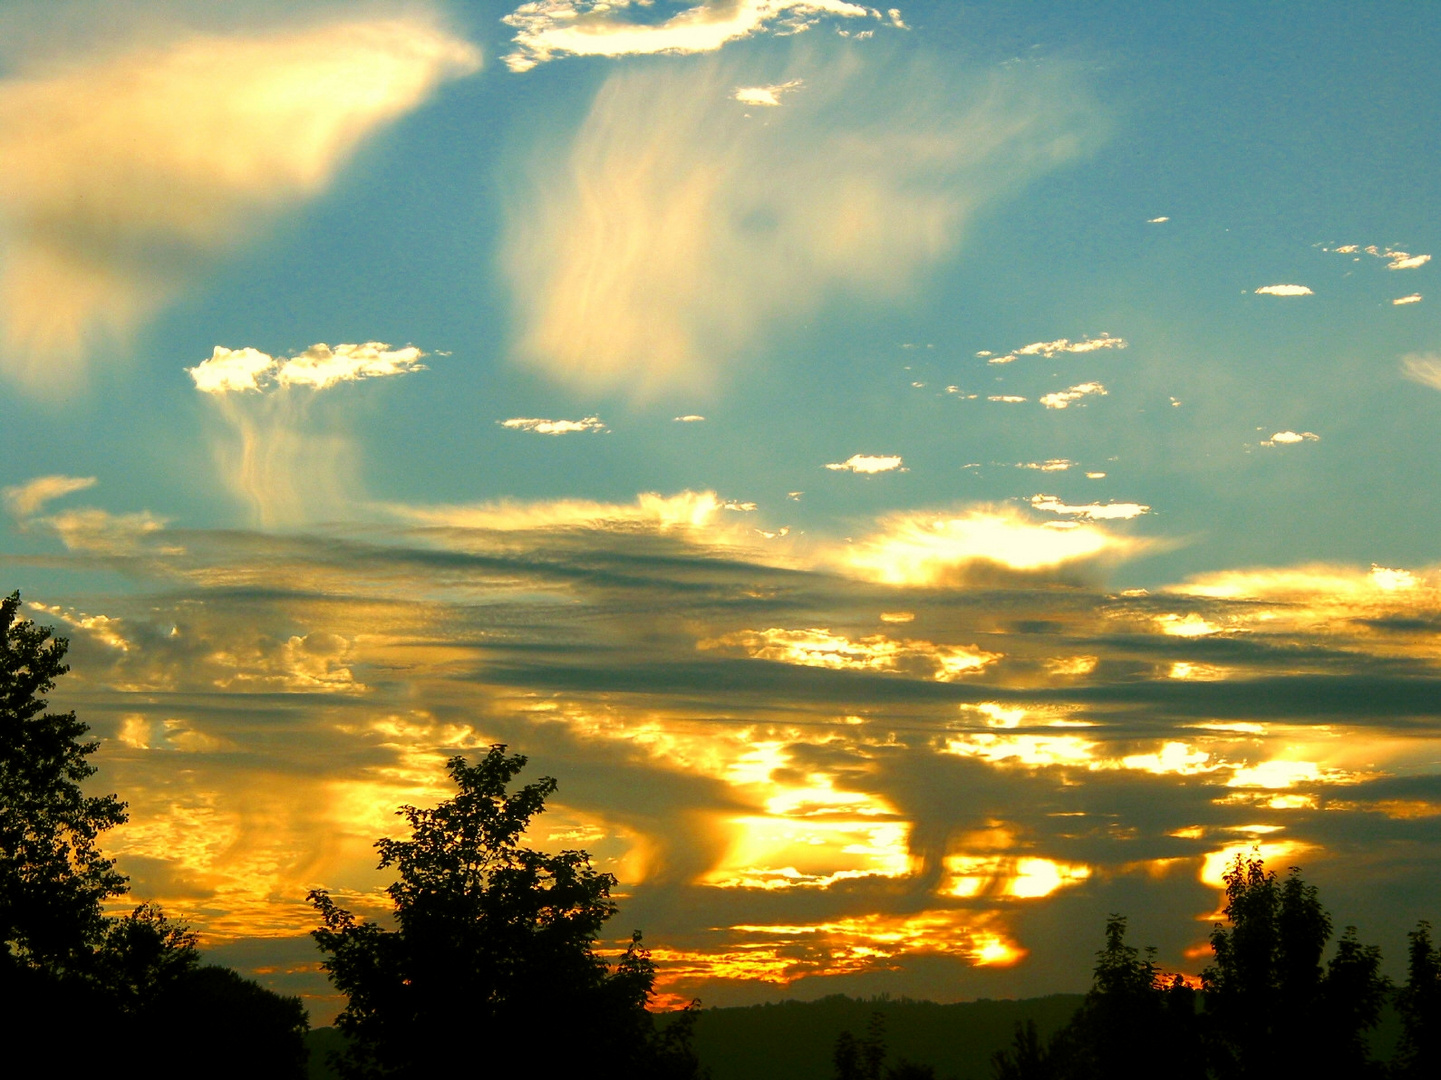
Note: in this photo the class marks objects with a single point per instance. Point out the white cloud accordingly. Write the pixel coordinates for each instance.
(1090, 511)
(1062, 399)
(236, 371)
(1414, 298)
(689, 418)
(1288, 438)
(123, 174)
(1424, 368)
(546, 29)
(1396, 259)
(1284, 290)
(673, 232)
(919, 548)
(30, 497)
(553, 427)
(1157, 220)
(1049, 465)
(868, 463)
(1055, 348)
(766, 95)
(1009, 399)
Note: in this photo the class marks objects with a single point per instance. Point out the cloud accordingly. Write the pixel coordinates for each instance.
(125, 172)
(932, 549)
(546, 29)
(1284, 290)
(285, 452)
(1396, 259)
(868, 463)
(815, 647)
(1055, 348)
(1157, 220)
(1063, 399)
(1424, 368)
(1414, 298)
(1113, 511)
(1008, 399)
(674, 235)
(553, 427)
(766, 95)
(1290, 438)
(1049, 465)
(30, 497)
(318, 367)
(689, 418)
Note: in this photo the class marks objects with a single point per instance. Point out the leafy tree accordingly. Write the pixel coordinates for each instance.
(53, 878)
(493, 946)
(1419, 1003)
(1270, 1005)
(135, 982)
(1027, 1058)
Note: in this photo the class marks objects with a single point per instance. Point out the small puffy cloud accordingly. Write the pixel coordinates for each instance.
(126, 173)
(236, 371)
(1424, 368)
(1414, 298)
(766, 95)
(1055, 348)
(672, 233)
(689, 418)
(545, 29)
(1284, 290)
(868, 463)
(1290, 438)
(1063, 399)
(30, 497)
(1049, 465)
(1090, 511)
(1396, 259)
(917, 548)
(553, 427)
(1157, 220)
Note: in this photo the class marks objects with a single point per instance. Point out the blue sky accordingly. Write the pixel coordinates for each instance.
(773, 410)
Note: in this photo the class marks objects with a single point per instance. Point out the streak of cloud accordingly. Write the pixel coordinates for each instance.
(869, 464)
(553, 427)
(29, 498)
(124, 174)
(1284, 290)
(676, 233)
(545, 29)
(1049, 349)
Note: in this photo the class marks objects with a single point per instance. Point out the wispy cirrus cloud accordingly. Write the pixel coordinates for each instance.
(283, 454)
(126, 171)
(676, 231)
(546, 29)
(24, 500)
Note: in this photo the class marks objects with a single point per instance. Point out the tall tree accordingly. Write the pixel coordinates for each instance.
(1419, 1003)
(53, 877)
(1270, 1004)
(493, 947)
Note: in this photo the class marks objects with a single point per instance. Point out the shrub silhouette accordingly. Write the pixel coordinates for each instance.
(493, 946)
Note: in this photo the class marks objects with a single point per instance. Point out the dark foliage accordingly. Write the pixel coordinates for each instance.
(865, 1058)
(1270, 1005)
(493, 945)
(1419, 1003)
(104, 989)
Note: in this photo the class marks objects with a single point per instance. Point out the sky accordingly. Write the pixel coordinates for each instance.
(921, 479)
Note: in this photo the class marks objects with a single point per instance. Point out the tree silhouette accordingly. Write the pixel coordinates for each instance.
(493, 945)
(1419, 1003)
(1270, 1005)
(133, 986)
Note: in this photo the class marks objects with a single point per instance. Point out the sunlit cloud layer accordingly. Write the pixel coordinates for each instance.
(1396, 259)
(678, 231)
(318, 367)
(546, 29)
(788, 788)
(124, 174)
